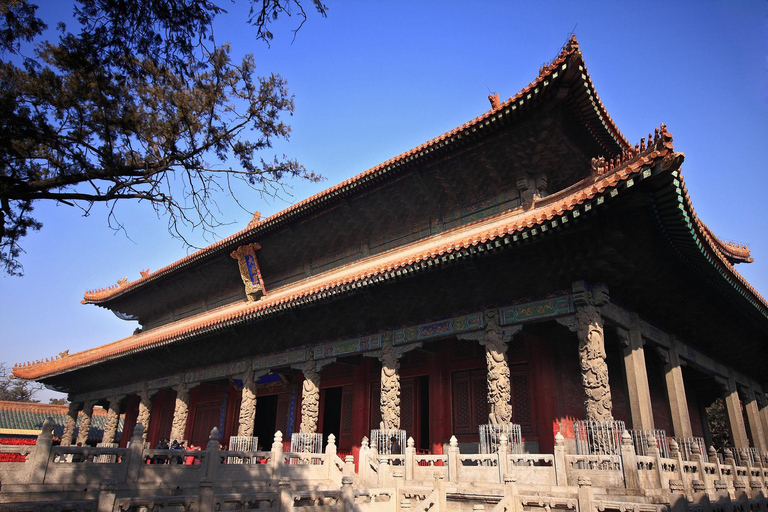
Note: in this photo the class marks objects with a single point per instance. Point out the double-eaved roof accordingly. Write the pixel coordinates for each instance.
(624, 166)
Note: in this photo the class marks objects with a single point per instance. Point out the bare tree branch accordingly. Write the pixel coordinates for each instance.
(132, 107)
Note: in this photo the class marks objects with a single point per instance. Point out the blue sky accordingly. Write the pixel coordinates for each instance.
(375, 79)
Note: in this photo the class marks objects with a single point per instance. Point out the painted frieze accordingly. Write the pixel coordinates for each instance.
(545, 308)
(442, 328)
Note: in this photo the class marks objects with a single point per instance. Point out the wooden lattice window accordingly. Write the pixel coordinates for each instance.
(470, 399)
(345, 428)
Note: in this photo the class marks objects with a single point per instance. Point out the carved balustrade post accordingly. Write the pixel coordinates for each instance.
(453, 459)
(561, 467)
(180, 412)
(499, 388)
(390, 386)
(85, 422)
(113, 419)
(247, 417)
(41, 456)
(310, 397)
(70, 423)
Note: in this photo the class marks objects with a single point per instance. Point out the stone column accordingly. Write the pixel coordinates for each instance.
(594, 370)
(637, 379)
(678, 402)
(735, 416)
(85, 423)
(180, 412)
(310, 398)
(113, 418)
(390, 387)
(499, 388)
(70, 423)
(247, 406)
(762, 406)
(145, 410)
(753, 417)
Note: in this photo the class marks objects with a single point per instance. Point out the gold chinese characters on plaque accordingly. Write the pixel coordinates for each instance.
(249, 270)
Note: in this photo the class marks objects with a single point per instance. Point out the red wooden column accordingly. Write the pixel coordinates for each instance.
(360, 405)
(129, 423)
(439, 399)
(544, 393)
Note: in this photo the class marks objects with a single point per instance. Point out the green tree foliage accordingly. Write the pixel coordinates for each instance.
(135, 104)
(16, 390)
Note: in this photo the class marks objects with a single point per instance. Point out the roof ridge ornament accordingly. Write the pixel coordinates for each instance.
(657, 141)
(256, 219)
(495, 101)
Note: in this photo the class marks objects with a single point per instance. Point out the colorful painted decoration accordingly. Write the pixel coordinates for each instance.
(249, 270)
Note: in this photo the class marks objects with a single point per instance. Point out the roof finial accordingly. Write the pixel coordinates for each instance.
(255, 219)
(572, 43)
(494, 99)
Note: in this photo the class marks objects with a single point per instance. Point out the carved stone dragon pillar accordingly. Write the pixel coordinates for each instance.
(145, 409)
(180, 412)
(85, 423)
(248, 406)
(310, 398)
(594, 370)
(390, 387)
(113, 418)
(499, 388)
(69, 424)
(588, 325)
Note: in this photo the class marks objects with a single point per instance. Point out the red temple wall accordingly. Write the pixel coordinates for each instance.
(210, 405)
(543, 378)
(129, 423)
(659, 400)
(570, 400)
(161, 416)
(695, 412)
(618, 382)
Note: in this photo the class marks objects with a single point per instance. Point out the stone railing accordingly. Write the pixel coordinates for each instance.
(109, 479)
(88, 467)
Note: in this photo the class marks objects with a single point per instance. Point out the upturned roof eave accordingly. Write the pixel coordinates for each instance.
(488, 234)
(597, 121)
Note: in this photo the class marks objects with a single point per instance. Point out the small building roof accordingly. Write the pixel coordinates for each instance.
(26, 419)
